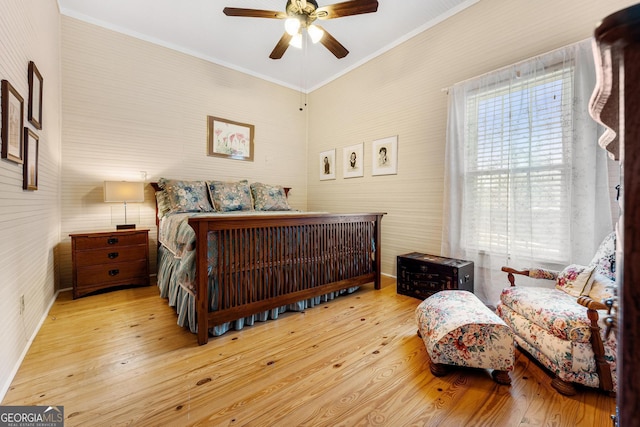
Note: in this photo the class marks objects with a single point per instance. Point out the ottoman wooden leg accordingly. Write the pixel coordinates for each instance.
(438, 369)
(501, 377)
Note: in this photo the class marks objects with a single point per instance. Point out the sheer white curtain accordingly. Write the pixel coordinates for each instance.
(526, 183)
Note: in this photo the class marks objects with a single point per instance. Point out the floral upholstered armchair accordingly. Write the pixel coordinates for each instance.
(563, 327)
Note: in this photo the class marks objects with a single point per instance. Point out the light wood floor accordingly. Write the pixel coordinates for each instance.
(120, 359)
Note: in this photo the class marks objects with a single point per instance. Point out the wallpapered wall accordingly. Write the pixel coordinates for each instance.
(131, 107)
(29, 220)
(401, 93)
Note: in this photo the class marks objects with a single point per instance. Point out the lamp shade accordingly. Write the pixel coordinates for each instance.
(123, 191)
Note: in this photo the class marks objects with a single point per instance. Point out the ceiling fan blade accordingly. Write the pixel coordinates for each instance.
(253, 13)
(347, 8)
(332, 44)
(281, 46)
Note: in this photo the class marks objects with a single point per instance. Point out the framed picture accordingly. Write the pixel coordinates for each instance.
(35, 96)
(353, 161)
(384, 156)
(328, 165)
(229, 139)
(30, 166)
(12, 113)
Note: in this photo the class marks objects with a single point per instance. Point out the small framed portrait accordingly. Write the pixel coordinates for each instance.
(328, 165)
(30, 165)
(226, 138)
(353, 161)
(35, 96)
(384, 156)
(12, 113)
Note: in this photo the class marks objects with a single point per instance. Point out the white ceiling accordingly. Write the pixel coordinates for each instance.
(199, 28)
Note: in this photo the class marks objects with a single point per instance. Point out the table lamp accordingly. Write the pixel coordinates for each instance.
(123, 192)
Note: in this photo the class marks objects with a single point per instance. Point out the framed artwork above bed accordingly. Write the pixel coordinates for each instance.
(226, 138)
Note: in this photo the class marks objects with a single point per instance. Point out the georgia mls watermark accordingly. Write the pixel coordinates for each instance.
(31, 416)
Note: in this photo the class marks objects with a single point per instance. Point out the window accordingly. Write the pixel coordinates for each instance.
(517, 173)
(525, 181)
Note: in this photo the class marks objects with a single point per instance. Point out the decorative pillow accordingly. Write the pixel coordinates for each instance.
(574, 279)
(605, 257)
(601, 288)
(162, 201)
(269, 197)
(186, 196)
(230, 196)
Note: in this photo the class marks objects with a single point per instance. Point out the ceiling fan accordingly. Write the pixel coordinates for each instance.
(301, 14)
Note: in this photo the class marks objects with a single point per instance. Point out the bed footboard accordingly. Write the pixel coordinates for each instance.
(267, 262)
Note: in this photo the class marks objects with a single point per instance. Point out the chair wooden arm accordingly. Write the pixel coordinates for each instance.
(602, 367)
(534, 273)
(585, 301)
(512, 271)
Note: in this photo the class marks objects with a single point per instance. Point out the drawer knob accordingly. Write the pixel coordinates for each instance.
(114, 272)
(112, 240)
(112, 255)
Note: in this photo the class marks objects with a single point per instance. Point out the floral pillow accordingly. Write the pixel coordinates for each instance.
(574, 279)
(186, 196)
(269, 197)
(601, 288)
(231, 196)
(605, 257)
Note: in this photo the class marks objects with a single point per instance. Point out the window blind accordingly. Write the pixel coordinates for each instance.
(518, 165)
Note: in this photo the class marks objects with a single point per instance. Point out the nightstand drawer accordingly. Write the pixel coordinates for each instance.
(105, 274)
(111, 255)
(110, 240)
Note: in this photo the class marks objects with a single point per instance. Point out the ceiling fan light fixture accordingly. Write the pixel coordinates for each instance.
(296, 41)
(300, 15)
(292, 26)
(315, 33)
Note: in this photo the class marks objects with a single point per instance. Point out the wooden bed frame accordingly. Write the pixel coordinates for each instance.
(332, 252)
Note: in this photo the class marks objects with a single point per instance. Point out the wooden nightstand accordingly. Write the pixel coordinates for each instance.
(104, 260)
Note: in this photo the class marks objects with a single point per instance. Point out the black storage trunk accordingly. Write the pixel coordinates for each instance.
(422, 275)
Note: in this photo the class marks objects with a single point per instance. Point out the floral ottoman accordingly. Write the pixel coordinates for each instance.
(459, 330)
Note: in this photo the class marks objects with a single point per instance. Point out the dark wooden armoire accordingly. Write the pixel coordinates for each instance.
(616, 104)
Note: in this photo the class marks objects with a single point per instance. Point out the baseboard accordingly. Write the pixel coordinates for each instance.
(14, 371)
